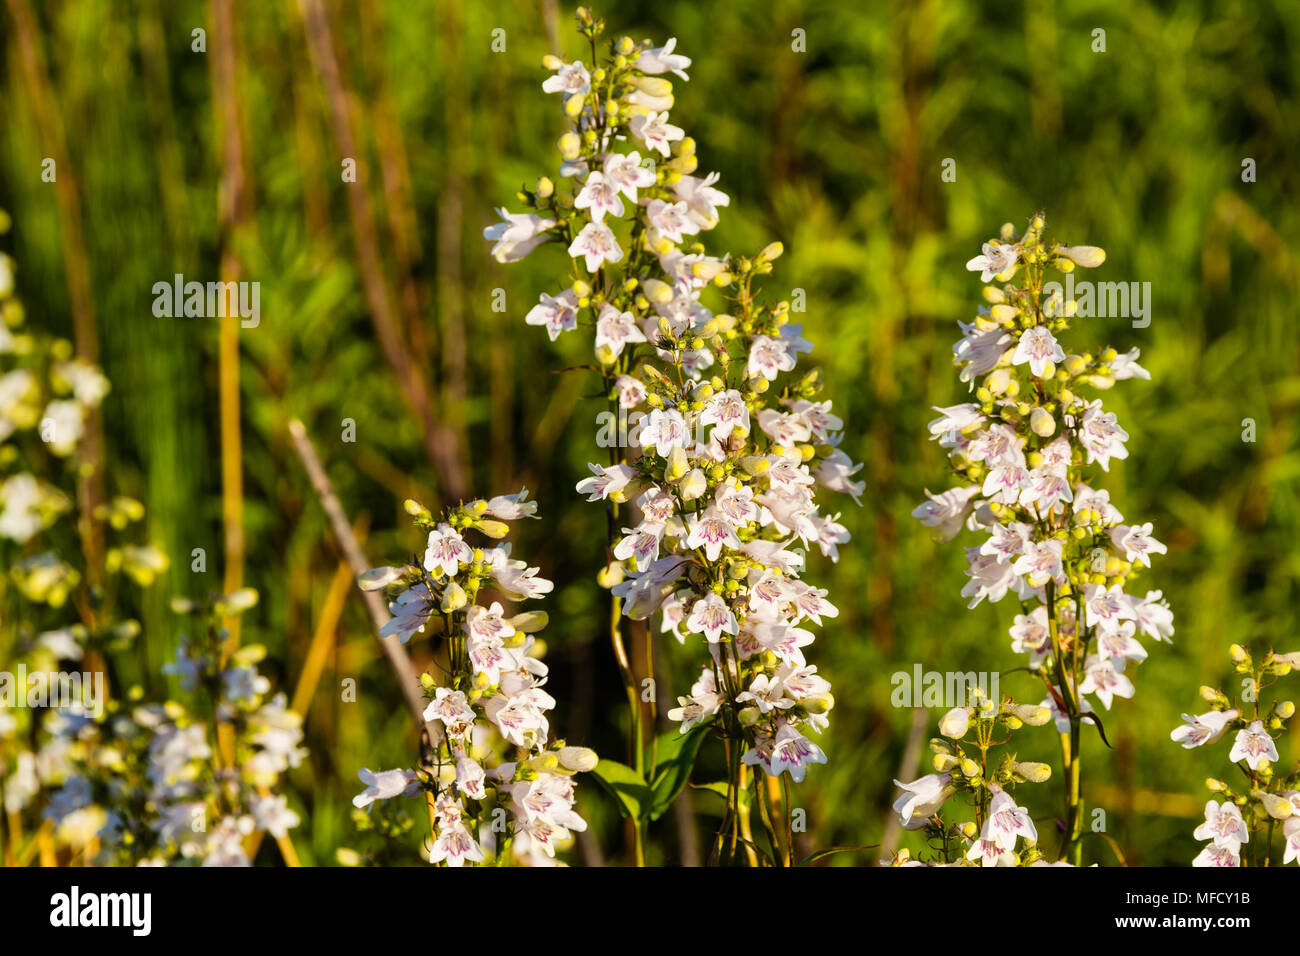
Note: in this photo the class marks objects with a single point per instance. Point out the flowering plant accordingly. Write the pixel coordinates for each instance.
(1022, 452)
(725, 444)
(1250, 811)
(494, 783)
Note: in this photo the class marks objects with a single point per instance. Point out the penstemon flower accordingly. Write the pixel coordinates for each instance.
(1242, 821)
(68, 569)
(191, 780)
(1023, 452)
(1001, 833)
(495, 784)
(726, 445)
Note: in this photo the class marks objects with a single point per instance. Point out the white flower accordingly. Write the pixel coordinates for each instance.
(555, 313)
(1253, 744)
(615, 329)
(599, 196)
(712, 617)
(446, 551)
(663, 60)
(1006, 821)
(626, 173)
(1103, 679)
(517, 235)
(571, 79)
(1224, 825)
(1205, 729)
(995, 260)
(1040, 349)
(606, 481)
(656, 132)
(595, 244)
(922, 799)
(383, 786)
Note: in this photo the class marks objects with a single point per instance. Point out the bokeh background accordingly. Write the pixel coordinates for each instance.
(228, 162)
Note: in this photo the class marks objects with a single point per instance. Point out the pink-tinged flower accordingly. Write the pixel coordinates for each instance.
(615, 329)
(990, 853)
(1040, 349)
(1125, 366)
(599, 195)
(656, 132)
(835, 473)
(989, 578)
(1103, 679)
(1291, 831)
(1005, 481)
(1101, 437)
(1196, 731)
(726, 411)
(641, 542)
(922, 799)
(801, 682)
(955, 418)
(947, 511)
(702, 200)
(1120, 643)
(606, 481)
(1217, 856)
(555, 313)
(571, 79)
(512, 507)
(711, 531)
(980, 352)
(767, 693)
(1047, 488)
(1136, 543)
(1153, 615)
(1106, 609)
(1224, 825)
(792, 751)
(453, 709)
(1253, 744)
(997, 258)
(1041, 563)
(446, 551)
(1006, 821)
(663, 60)
(455, 847)
(769, 357)
(597, 245)
(627, 173)
(487, 623)
(712, 617)
(470, 778)
(671, 220)
(1006, 541)
(411, 611)
(517, 235)
(1030, 635)
(663, 430)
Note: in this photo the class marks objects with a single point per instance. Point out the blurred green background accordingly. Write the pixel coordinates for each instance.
(835, 151)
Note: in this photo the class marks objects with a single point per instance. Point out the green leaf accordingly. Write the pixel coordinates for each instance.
(676, 755)
(626, 786)
(821, 854)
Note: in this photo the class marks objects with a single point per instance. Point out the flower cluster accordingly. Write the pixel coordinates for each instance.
(65, 595)
(189, 781)
(728, 445)
(986, 784)
(1249, 812)
(490, 698)
(1022, 451)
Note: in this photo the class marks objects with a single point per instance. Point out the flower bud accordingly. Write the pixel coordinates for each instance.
(545, 187)
(969, 768)
(677, 465)
(955, 723)
(569, 145)
(693, 485)
(1087, 256)
(610, 575)
(749, 716)
(530, 622)
(1239, 654)
(1033, 771)
(1277, 807)
(1042, 422)
(493, 529)
(453, 598)
(580, 759)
